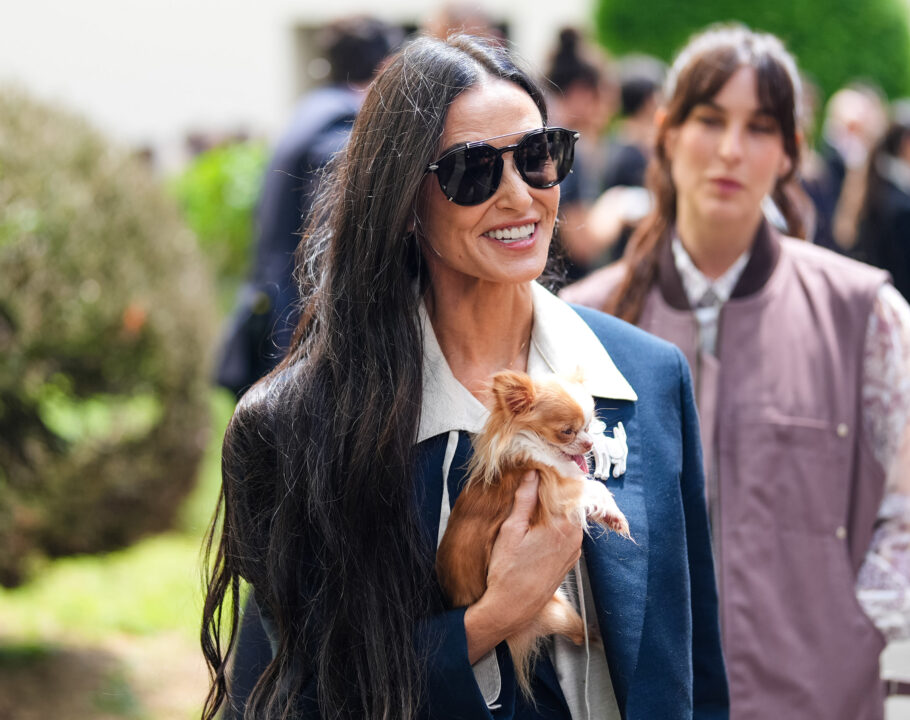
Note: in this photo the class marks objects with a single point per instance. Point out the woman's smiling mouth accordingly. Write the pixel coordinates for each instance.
(512, 234)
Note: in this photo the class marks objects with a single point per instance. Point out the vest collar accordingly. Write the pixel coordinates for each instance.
(765, 254)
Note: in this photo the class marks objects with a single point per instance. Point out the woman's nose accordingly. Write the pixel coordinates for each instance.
(731, 143)
(513, 191)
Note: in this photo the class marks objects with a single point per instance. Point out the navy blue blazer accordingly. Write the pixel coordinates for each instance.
(656, 598)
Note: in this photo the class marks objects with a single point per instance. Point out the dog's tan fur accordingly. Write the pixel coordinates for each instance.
(533, 426)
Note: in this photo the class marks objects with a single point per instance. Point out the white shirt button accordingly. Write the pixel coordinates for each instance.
(841, 533)
(843, 430)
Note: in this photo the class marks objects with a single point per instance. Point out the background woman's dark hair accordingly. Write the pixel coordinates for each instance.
(354, 47)
(318, 499)
(640, 79)
(874, 213)
(573, 62)
(699, 72)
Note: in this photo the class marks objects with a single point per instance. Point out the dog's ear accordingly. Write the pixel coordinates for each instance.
(513, 391)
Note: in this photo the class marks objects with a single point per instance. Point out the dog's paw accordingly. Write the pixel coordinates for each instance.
(602, 509)
(617, 523)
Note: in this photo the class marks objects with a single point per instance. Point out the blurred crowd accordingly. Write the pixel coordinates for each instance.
(852, 191)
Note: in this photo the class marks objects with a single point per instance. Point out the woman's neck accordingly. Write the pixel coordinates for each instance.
(715, 246)
(482, 328)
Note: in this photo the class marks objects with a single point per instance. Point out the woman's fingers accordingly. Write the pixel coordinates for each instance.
(528, 563)
(519, 520)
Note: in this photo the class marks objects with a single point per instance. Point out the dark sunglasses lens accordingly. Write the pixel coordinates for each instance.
(470, 176)
(545, 158)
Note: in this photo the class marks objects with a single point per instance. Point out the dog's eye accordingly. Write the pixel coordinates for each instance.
(568, 431)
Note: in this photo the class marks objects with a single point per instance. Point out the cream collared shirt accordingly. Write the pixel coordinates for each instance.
(561, 343)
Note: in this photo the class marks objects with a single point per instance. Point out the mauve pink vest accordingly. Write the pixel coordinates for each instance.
(798, 488)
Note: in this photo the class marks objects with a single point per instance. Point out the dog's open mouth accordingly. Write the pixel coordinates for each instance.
(579, 460)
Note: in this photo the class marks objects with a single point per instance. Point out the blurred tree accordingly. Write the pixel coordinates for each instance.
(106, 323)
(834, 41)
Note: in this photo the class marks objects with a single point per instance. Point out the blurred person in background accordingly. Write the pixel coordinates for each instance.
(640, 79)
(584, 97)
(801, 360)
(464, 18)
(261, 327)
(855, 118)
(418, 277)
(884, 228)
(625, 202)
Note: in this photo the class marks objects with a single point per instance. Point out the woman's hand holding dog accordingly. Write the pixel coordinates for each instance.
(527, 565)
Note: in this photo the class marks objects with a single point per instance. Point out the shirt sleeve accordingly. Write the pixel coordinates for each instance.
(883, 583)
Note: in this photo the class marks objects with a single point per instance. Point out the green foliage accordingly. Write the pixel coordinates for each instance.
(150, 588)
(217, 194)
(116, 697)
(106, 320)
(834, 41)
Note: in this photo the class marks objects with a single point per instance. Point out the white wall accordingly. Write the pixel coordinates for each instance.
(148, 71)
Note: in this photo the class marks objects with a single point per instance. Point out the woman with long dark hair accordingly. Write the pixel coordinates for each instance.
(802, 373)
(417, 274)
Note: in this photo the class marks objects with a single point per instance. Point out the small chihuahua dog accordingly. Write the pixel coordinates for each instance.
(534, 425)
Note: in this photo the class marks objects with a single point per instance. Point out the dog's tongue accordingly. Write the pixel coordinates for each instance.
(581, 462)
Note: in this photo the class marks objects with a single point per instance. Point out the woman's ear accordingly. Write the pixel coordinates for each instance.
(660, 116)
(786, 162)
(786, 167)
(670, 135)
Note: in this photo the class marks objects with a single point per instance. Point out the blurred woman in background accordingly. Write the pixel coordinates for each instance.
(884, 228)
(802, 372)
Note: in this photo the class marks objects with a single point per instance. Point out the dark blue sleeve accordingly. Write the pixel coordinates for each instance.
(451, 690)
(709, 683)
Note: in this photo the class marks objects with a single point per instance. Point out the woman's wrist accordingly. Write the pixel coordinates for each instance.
(484, 628)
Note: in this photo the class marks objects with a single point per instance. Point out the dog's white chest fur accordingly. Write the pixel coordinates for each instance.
(532, 446)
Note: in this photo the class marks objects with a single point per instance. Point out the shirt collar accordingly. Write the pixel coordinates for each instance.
(697, 285)
(561, 342)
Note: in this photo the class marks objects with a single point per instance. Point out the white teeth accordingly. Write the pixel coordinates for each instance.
(512, 234)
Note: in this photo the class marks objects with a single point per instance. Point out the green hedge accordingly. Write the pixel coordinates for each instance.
(834, 41)
(106, 325)
(217, 194)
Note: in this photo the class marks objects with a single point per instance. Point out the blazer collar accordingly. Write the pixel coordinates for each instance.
(765, 254)
(561, 342)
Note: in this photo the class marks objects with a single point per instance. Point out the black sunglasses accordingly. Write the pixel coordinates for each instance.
(470, 173)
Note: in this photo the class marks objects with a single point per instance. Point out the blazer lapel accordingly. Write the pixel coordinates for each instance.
(618, 568)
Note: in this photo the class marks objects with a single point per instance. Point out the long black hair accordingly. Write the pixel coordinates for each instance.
(318, 497)
(699, 72)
